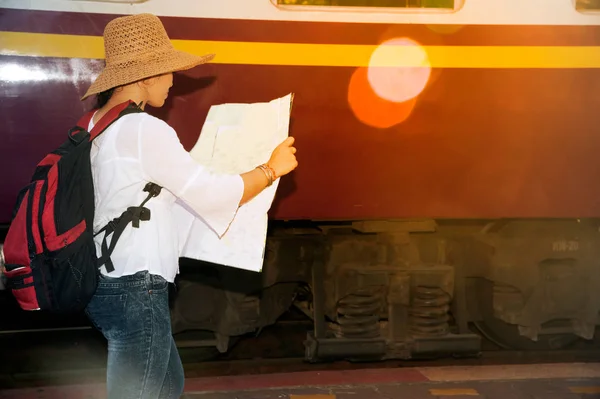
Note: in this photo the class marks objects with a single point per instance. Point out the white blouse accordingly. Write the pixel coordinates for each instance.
(135, 150)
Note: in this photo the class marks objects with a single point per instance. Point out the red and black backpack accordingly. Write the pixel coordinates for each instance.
(50, 255)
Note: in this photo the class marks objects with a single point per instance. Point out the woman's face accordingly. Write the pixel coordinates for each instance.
(157, 89)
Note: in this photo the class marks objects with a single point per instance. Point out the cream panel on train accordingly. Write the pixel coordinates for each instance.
(485, 12)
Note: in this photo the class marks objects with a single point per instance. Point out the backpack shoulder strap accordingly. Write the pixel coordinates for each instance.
(107, 119)
(133, 214)
(84, 122)
(111, 116)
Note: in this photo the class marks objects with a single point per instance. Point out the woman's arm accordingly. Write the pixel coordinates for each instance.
(214, 197)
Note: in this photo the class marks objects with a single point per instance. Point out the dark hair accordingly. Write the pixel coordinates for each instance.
(102, 98)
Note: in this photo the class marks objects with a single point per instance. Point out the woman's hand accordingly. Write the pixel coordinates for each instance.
(283, 160)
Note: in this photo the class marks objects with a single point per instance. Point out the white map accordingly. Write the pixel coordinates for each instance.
(235, 139)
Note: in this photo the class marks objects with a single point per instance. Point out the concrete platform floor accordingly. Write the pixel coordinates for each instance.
(540, 381)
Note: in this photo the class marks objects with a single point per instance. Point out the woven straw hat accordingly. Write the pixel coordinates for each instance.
(137, 47)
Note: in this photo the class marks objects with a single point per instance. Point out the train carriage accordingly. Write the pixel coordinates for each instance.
(447, 187)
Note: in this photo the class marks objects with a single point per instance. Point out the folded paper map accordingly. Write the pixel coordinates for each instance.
(235, 139)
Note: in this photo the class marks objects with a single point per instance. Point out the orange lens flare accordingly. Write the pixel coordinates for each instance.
(373, 110)
(385, 93)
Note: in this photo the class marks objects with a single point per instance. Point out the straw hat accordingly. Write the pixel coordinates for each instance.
(137, 47)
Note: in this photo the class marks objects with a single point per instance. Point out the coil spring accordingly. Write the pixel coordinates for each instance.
(358, 313)
(428, 313)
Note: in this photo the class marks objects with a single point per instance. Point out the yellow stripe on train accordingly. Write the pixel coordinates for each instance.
(340, 55)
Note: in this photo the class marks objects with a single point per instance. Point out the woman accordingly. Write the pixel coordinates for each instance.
(130, 306)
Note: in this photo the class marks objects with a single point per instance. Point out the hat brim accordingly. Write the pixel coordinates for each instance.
(121, 74)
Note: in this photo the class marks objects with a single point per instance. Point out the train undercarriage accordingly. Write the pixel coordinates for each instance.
(405, 289)
(408, 289)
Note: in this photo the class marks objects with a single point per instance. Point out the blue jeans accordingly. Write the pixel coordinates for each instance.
(132, 312)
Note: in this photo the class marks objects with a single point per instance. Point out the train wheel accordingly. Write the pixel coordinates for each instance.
(507, 335)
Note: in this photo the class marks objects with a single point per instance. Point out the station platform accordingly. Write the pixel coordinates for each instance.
(539, 381)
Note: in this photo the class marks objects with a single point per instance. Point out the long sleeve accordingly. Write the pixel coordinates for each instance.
(214, 197)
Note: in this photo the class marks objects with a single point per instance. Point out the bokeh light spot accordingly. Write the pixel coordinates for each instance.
(399, 70)
(373, 110)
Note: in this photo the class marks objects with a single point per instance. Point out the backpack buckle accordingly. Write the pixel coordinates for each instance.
(153, 188)
(77, 134)
(138, 214)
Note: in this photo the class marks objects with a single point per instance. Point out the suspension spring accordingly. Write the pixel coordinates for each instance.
(358, 313)
(428, 313)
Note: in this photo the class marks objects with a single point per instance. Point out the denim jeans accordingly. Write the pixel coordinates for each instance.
(132, 312)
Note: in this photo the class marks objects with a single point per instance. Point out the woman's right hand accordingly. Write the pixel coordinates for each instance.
(283, 160)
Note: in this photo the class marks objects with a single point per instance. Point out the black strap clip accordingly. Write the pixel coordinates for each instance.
(138, 214)
(152, 188)
(133, 214)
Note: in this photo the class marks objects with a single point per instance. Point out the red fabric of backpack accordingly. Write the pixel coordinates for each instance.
(50, 255)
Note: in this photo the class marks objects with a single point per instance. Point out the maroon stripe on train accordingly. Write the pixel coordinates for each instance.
(306, 32)
(480, 143)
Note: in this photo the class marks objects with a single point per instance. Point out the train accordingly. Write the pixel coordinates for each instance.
(447, 190)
